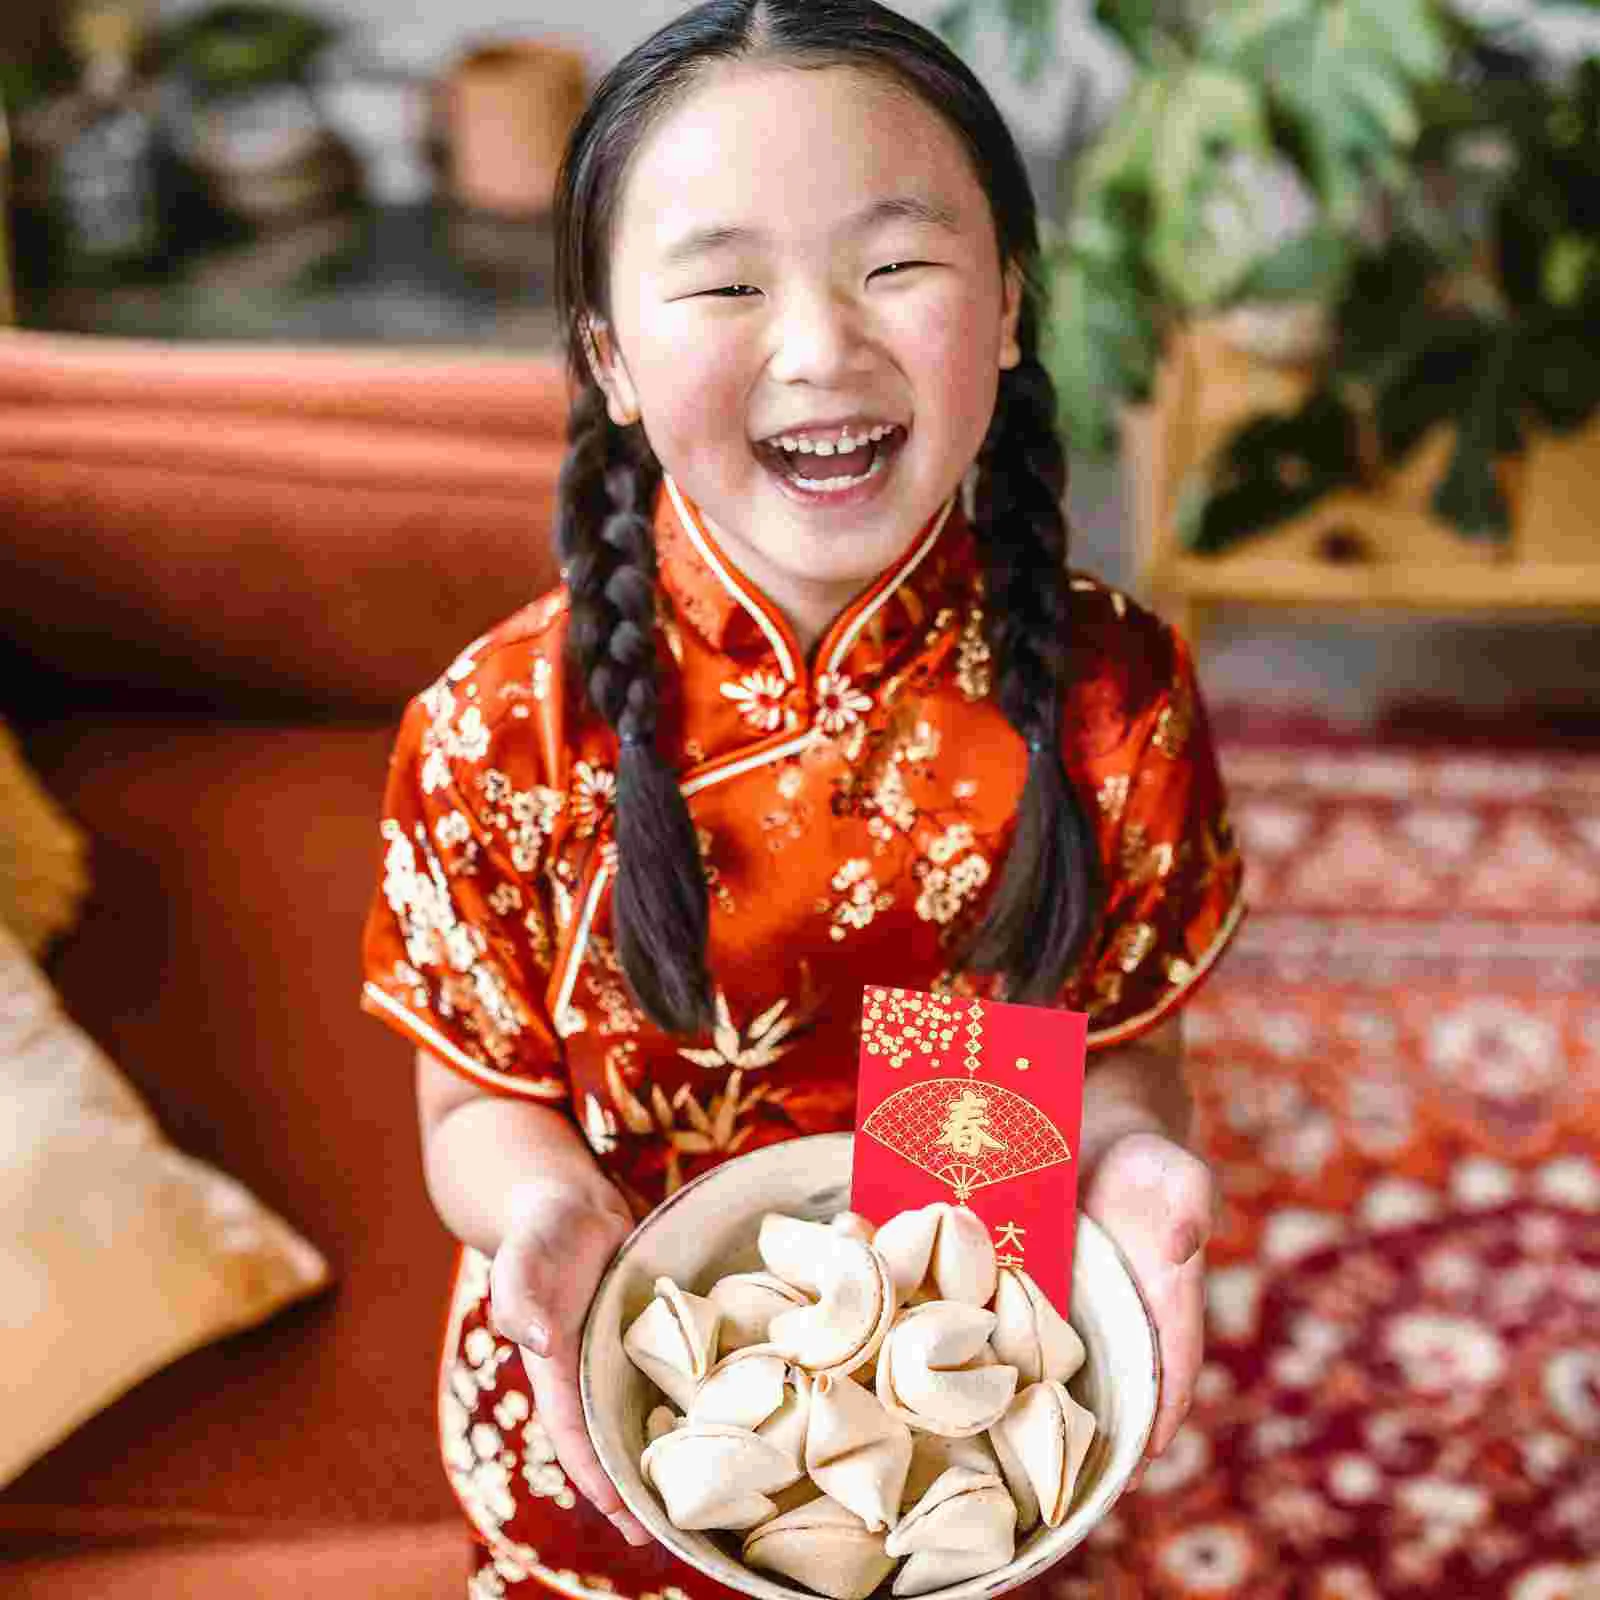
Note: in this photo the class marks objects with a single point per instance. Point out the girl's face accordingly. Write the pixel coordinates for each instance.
(797, 248)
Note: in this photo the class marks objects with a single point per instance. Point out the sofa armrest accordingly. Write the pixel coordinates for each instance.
(309, 526)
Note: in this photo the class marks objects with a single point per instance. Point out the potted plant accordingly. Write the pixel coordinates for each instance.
(1476, 310)
(1272, 165)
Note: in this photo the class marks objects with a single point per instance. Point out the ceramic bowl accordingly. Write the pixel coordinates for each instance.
(709, 1228)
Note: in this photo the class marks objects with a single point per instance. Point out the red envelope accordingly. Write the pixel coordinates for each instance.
(979, 1104)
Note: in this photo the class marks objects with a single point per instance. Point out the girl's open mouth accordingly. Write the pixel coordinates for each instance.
(816, 477)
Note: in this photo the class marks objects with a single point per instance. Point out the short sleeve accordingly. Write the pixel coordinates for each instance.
(448, 949)
(1174, 890)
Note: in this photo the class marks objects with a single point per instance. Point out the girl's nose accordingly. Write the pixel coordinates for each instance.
(818, 337)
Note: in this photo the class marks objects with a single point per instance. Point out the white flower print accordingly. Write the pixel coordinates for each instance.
(956, 838)
(840, 705)
(471, 741)
(505, 898)
(593, 791)
(862, 901)
(759, 696)
(896, 810)
(945, 891)
(452, 829)
(435, 772)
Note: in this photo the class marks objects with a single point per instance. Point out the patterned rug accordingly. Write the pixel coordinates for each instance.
(1398, 1072)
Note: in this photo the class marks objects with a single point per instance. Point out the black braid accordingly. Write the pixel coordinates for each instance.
(607, 486)
(1051, 889)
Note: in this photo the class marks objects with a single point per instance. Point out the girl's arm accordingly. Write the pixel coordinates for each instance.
(487, 1157)
(1137, 1088)
(516, 1181)
(1155, 1198)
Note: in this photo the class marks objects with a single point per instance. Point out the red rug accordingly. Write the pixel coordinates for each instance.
(1398, 1071)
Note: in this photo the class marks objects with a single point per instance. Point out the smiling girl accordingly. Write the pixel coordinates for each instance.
(819, 703)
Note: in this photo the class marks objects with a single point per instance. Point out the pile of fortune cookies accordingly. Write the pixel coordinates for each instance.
(870, 1398)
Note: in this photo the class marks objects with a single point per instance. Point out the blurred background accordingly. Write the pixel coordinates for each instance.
(369, 173)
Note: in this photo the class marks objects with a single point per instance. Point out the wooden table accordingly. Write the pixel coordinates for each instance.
(1406, 560)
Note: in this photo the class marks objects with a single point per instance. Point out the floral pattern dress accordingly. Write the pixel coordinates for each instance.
(854, 811)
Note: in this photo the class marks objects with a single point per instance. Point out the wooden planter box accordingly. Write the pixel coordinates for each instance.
(1403, 558)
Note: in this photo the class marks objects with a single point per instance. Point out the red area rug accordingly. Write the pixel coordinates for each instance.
(1398, 1072)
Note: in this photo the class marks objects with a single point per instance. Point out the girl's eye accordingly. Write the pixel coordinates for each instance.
(737, 291)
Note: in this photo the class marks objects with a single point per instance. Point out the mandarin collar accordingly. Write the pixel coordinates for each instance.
(931, 581)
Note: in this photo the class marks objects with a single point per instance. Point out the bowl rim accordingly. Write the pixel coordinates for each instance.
(768, 1588)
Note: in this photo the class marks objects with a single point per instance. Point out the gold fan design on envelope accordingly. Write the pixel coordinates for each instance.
(968, 1135)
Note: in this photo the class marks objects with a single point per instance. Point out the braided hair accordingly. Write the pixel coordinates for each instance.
(1046, 901)
(606, 488)
(1051, 888)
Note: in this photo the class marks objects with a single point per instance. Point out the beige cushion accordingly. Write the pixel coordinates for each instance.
(118, 1253)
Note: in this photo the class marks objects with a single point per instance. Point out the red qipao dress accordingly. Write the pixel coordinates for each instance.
(854, 811)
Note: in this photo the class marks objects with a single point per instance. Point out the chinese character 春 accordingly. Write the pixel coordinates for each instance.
(966, 1129)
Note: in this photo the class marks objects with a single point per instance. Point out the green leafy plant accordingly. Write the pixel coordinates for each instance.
(1170, 209)
(1355, 113)
(1482, 312)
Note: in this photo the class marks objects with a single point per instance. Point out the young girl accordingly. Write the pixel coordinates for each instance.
(818, 704)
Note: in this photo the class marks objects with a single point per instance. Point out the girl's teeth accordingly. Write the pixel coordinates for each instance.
(826, 447)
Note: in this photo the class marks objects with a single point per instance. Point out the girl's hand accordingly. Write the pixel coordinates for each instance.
(1158, 1202)
(550, 1261)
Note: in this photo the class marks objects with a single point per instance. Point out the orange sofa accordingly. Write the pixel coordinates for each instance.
(225, 570)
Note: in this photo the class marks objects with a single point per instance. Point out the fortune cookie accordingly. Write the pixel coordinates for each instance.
(823, 1545)
(748, 1302)
(756, 1388)
(936, 1372)
(673, 1341)
(965, 1525)
(796, 1250)
(710, 1475)
(853, 1225)
(856, 1452)
(938, 1252)
(933, 1453)
(1041, 1443)
(842, 1329)
(1030, 1334)
(661, 1420)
